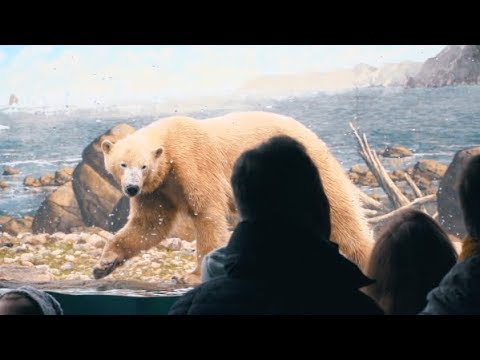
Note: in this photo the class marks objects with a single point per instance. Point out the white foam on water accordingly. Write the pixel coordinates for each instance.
(42, 161)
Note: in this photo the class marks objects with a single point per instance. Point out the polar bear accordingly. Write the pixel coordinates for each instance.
(180, 165)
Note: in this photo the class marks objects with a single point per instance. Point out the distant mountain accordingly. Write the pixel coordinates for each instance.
(361, 75)
(454, 65)
(395, 74)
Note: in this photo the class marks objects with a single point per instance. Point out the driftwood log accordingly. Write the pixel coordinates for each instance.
(375, 210)
(416, 202)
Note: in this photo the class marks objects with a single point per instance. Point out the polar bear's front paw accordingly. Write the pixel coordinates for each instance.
(104, 268)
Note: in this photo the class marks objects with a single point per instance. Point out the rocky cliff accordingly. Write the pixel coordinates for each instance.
(454, 65)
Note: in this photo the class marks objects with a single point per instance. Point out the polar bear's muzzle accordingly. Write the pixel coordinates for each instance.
(132, 190)
(132, 182)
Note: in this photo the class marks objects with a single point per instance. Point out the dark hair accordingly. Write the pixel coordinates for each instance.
(410, 257)
(470, 196)
(278, 181)
(20, 304)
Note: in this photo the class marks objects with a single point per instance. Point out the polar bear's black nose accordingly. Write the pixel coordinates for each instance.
(132, 190)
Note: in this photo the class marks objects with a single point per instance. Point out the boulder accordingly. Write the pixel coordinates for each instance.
(360, 175)
(8, 170)
(397, 175)
(17, 226)
(449, 210)
(4, 185)
(63, 176)
(31, 181)
(422, 182)
(364, 180)
(429, 169)
(93, 198)
(4, 219)
(47, 180)
(359, 169)
(96, 191)
(395, 151)
(58, 212)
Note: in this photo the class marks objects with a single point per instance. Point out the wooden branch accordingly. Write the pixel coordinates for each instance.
(416, 191)
(371, 213)
(435, 216)
(414, 186)
(416, 202)
(371, 203)
(394, 194)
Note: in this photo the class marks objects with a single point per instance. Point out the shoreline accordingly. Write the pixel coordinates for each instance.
(60, 256)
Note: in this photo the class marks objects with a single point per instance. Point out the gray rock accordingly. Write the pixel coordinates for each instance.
(8, 170)
(74, 238)
(450, 213)
(17, 226)
(9, 260)
(55, 272)
(97, 241)
(47, 180)
(96, 191)
(70, 258)
(79, 247)
(31, 181)
(26, 257)
(429, 169)
(67, 266)
(396, 151)
(4, 220)
(63, 176)
(172, 244)
(454, 65)
(58, 212)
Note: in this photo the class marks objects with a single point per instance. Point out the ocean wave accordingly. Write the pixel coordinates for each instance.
(42, 162)
(426, 155)
(4, 127)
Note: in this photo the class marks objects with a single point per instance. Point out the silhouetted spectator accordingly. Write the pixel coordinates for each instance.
(411, 256)
(459, 291)
(27, 300)
(279, 259)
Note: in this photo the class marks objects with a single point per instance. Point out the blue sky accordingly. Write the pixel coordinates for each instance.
(83, 75)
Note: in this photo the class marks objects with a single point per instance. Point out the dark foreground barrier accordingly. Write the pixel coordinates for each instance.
(102, 304)
(108, 297)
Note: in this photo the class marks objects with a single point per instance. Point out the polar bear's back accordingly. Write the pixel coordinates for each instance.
(237, 132)
(255, 125)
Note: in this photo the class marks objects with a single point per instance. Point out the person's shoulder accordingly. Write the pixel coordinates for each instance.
(184, 303)
(214, 297)
(464, 274)
(203, 293)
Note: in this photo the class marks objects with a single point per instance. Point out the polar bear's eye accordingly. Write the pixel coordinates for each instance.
(123, 165)
(144, 167)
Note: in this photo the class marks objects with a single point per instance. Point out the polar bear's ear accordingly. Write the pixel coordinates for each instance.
(158, 152)
(107, 146)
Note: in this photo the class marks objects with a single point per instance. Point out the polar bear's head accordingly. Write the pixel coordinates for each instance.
(136, 169)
